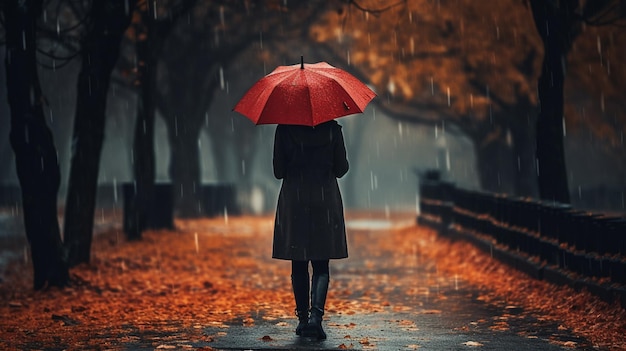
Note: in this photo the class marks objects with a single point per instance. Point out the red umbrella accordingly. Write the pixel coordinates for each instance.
(304, 94)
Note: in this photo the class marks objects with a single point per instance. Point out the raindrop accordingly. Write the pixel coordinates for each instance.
(23, 40)
(225, 215)
(448, 160)
(537, 165)
(115, 190)
(602, 101)
(412, 45)
(448, 91)
(222, 15)
(472, 100)
(206, 118)
(243, 167)
(154, 9)
(348, 57)
(58, 27)
(564, 128)
(195, 239)
(391, 86)
(126, 7)
(176, 125)
(339, 35)
(222, 78)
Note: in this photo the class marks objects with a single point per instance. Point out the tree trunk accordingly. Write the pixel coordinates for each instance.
(185, 165)
(554, 31)
(35, 154)
(143, 146)
(100, 50)
(496, 165)
(524, 153)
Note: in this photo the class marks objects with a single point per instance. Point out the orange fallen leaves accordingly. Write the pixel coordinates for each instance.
(579, 312)
(169, 287)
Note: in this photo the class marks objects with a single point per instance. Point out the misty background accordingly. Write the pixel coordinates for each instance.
(385, 155)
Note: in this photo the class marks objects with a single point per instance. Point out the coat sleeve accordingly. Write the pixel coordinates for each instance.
(340, 160)
(279, 155)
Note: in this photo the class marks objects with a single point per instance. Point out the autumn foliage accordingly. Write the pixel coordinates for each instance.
(170, 287)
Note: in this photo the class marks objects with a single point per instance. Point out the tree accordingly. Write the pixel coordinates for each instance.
(35, 153)
(464, 67)
(559, 24)
(193, 70)
(152, 26)
(106, 23)
(471, 67)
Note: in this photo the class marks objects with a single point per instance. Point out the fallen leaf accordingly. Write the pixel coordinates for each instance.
(472, 344)
(67, 321)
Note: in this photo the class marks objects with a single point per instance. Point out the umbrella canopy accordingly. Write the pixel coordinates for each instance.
(304, 94)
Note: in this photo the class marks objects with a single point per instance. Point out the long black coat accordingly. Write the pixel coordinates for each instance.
(309, 222)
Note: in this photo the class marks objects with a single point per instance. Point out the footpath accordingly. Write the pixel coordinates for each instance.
(211, 285)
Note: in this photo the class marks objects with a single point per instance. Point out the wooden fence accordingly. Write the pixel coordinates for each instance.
(550, 241)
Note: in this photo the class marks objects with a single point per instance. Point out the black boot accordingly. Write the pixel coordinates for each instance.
(319, 289)
(300, 287)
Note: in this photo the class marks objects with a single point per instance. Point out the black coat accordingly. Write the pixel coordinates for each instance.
(309, 222)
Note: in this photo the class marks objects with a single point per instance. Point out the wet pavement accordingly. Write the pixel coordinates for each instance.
(386, 296)
(386, 300)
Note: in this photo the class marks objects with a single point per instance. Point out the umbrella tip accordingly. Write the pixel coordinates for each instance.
(301, 62)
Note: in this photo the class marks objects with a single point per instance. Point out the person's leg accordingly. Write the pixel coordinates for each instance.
(319, 290)
(300, 285)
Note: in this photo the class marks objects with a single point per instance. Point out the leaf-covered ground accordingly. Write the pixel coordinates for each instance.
(165, 290)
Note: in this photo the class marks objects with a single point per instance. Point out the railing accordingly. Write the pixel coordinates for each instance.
(548, 240)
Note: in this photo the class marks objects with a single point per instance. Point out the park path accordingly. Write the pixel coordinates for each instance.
(211, 284)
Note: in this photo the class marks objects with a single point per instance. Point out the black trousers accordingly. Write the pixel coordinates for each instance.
(301, 268)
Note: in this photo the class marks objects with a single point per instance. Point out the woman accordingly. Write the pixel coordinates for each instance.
(309, 225)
